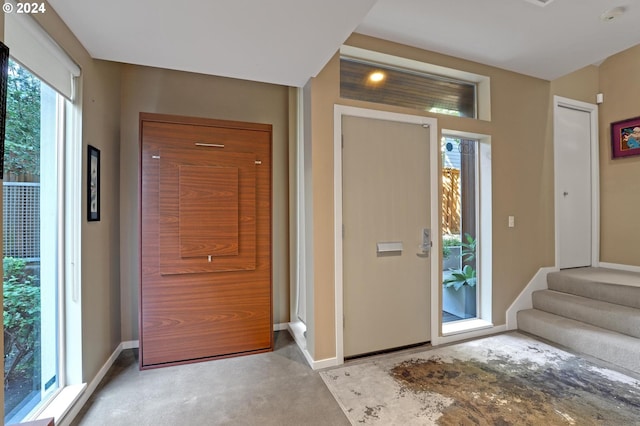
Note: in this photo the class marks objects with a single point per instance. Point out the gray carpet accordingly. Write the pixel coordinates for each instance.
(276, 388)
(594, 311)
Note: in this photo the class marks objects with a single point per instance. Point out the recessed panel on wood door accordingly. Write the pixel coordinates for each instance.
(207, 211)
(206, 239)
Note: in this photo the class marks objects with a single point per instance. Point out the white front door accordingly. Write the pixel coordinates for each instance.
(386, 201)
(573, 150)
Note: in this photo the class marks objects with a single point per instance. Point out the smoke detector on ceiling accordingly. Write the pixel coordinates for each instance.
(611, 14)
(541, 3)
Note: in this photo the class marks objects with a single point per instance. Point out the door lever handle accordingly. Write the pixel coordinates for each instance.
(426, 245)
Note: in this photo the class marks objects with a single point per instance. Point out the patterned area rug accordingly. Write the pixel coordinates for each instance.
(509, 379)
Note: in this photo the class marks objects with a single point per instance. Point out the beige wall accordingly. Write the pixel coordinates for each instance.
(521, 131)
(522, 161)
(619, 195)
(580, 85)
(146, 89)
(100, 240)
(617, 79)
(325, 92)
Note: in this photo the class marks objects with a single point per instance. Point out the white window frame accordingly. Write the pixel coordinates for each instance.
(70, 271)
(483, 323)
(68, 226)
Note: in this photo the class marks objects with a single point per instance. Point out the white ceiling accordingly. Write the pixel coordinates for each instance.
(545, 42)
(289, 41)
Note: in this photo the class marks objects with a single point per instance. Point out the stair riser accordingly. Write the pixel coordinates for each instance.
(609, 316)
(618, 294)
(609, 346)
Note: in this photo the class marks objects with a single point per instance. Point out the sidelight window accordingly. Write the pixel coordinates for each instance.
(466, 232)
(459, 229)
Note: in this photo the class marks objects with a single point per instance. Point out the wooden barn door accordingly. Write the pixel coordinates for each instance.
(206, 239)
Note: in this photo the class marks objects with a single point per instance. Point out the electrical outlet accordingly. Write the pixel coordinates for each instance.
(512, 221)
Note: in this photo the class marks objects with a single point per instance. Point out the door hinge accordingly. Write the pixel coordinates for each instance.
(343, 231)
(342, 141)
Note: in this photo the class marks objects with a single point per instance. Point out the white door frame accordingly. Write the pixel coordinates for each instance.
(432, 123)
(592, 110)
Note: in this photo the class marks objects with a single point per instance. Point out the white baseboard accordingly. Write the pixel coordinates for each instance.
(325, 363)
(297, 329)
(281, 327)
(523, 301)
(91, 387)
(130, 344)
(630, 268)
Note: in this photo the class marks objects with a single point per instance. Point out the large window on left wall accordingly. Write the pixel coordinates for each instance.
(37, 204)
(31, 204)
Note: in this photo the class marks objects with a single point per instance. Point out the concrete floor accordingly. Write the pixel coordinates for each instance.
(275, 388)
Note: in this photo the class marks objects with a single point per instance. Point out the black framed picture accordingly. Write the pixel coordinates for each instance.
(93, 184)
(4, 77)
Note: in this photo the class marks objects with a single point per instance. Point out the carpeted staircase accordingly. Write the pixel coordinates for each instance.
(595, 311)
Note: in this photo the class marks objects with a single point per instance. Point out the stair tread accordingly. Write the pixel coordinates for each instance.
(602, 275)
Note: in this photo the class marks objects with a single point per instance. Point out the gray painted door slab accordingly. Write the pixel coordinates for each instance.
(385, 200)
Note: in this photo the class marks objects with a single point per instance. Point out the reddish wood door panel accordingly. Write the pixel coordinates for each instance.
(208, 211)
(205, 239)
(173, 219)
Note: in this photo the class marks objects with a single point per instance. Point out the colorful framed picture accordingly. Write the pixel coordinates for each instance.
(625, 137)
(93, 184)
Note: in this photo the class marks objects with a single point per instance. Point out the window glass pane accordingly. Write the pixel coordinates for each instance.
(30, 212)
(384, 84)
(459, 224)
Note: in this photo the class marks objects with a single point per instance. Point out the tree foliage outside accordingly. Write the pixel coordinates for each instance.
(22, 134)
(21, 320)
(21, 283)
